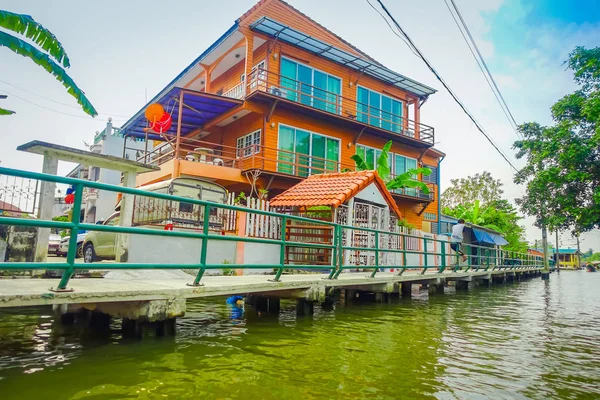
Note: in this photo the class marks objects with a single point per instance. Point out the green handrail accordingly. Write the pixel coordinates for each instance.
(337, 246)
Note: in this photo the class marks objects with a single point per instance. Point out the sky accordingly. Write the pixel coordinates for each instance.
(123, 52)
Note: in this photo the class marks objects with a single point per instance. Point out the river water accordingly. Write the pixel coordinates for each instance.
(528, 340)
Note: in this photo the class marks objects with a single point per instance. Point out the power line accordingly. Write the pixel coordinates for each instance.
(392, 29)
(53, 110)
(483, 65)
(454, 96)
(55, 101)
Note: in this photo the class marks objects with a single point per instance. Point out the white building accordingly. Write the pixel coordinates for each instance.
(99, 205)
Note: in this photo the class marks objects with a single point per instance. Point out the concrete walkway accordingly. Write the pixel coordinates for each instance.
(35, 292)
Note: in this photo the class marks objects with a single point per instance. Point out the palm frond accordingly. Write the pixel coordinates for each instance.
(28, 27)
(43, 60)
(6, 112)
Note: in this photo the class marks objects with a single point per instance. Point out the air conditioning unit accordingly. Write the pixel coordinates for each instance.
(277, 91)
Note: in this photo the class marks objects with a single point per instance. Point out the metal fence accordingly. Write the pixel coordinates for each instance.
(482, 258)
(18, 195)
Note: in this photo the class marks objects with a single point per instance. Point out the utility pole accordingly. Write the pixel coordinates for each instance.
(557, 254)
(546, 272)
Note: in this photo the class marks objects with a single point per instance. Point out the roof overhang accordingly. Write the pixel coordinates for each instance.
(83, 157)
(363, 65)
(197, 109)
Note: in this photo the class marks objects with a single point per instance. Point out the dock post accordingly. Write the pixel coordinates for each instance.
(406, 289)
(304, 307)
(462, 285)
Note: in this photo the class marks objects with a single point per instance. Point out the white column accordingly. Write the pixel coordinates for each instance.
(47, 193)
(122, 240)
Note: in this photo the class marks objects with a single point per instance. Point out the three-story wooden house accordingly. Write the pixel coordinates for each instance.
(279, 97)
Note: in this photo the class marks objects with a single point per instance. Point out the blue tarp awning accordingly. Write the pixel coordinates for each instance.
(488, 237)
(198, 109)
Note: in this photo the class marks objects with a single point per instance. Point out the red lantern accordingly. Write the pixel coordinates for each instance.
(163, 124)
(154, 112)
(70, 198)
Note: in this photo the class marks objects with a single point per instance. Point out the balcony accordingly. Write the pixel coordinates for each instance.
(230, 164)
(378, 121)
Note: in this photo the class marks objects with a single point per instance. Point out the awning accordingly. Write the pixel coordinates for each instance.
(198, 109)
(488, 237)
(289, 35)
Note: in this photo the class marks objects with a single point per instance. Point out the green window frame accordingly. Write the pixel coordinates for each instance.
(379, 110)
(310, 86)
(304, 153)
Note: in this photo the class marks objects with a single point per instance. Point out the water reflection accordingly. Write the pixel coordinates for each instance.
(533, 339)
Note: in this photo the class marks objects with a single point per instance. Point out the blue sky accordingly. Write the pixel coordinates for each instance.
(120, 50)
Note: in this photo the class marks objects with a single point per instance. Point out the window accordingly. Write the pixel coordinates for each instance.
(430, 216)
(112, 221)
(370, 155)
(186, 207)
(305, 153)
(262, 75)
(401, 165)
(379, 110)
(310, 86)
(432, 178)
(247, 143)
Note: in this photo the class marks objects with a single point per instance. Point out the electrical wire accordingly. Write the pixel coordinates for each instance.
(482, 65)
(450, 91)
(57, 102)
(89, 118)
(392, 29)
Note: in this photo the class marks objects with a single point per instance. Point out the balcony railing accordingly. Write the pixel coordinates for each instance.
(236, 92)
(300, 92)
(258, 157)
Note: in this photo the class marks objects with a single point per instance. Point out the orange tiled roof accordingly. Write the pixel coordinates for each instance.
(332, 190)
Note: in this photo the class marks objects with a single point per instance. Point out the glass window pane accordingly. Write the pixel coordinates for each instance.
(333, 155)
(305, 84)
(362, 97)
(396, 116)
(370, 157)
(320, 90)
(286, 145)
(302, 152)
(288, 78)
(318, 154)
(386, 112)
(334, 87)
(411, 163)
(375, 108)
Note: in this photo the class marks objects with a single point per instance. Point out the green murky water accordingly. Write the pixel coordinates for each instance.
(534, 339)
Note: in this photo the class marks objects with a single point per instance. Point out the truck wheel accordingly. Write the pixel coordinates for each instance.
(89, 255)
(79, 252)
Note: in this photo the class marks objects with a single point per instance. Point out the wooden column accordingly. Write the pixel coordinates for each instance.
(175, 172)
(249, 57)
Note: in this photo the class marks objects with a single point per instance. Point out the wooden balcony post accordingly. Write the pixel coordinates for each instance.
(249, 59)
(417, 119)
(175, 172)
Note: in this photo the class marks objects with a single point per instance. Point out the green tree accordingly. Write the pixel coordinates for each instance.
(49, 53)
(405, 180)
(562, 173)
(482, 187)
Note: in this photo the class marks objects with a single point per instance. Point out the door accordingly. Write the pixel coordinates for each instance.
(106, 240)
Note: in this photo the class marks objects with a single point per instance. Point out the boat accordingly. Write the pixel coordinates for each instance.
(591, 267)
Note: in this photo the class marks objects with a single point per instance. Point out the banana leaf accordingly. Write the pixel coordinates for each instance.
(6, 112)
(43, 60)
(361, 165)
(32, 30)
(383, 162)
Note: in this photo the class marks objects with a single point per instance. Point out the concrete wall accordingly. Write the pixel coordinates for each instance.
(371, 193)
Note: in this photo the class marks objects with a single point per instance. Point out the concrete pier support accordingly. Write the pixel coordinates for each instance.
(436, 289)
(139, 329)
(265, 304)
(462, 285)
(304, 307)
(406, 289)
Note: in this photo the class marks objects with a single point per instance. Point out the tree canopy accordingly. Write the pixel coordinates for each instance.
(478, 200)
(482, 187)
(562, 173)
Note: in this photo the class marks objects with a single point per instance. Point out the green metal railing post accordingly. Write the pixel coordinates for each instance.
(425, 255)
(340, 260)
(72, 252)
(443, 266)
(403, 254)
(281, 250)
(376, 255)
(487, 260)
(204, 249)
(334, 258)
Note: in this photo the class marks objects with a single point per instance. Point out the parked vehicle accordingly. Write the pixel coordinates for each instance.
(54, 243)
(149, 211)
(101, 245)
(64, 245)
